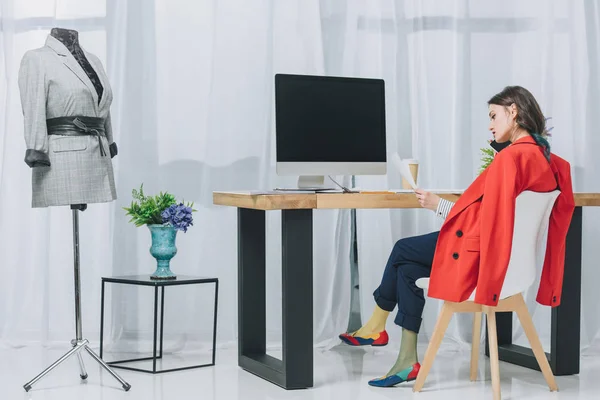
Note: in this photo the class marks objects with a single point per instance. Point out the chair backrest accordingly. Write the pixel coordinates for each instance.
(532, 216)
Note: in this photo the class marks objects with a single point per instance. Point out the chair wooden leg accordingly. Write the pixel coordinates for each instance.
(493, 345)
(475, 345)
(534, 342)
(434, 344)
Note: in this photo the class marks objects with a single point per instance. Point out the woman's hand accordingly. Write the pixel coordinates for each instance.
(427, 200)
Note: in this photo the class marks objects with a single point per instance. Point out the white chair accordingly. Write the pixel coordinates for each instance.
(532, 216)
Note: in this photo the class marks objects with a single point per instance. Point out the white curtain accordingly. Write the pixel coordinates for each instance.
(193, 113)
(442, 61)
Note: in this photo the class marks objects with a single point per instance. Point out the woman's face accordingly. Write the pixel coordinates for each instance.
(502, 122)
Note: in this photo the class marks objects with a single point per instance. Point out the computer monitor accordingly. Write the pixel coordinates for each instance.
(329, 126)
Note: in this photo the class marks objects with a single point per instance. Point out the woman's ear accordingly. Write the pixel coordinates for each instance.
(513, 110)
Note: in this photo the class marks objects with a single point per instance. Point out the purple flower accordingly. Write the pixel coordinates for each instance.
(179, 216)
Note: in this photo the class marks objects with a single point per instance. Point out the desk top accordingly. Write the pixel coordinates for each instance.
(292, 201)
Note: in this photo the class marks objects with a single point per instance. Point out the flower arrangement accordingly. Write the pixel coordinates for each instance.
(161, 209)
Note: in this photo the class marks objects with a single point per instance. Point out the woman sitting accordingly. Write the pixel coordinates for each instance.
(477, 231)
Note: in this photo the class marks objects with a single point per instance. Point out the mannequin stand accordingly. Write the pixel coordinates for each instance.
(79, 343)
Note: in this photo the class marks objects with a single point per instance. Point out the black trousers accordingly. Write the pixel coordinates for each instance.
(411, 259)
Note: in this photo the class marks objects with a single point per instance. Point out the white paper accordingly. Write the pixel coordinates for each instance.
(404, 170)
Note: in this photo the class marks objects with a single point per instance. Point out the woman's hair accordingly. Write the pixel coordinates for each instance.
(529, 114)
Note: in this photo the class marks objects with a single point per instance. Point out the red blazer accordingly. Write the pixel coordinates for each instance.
(474, 245)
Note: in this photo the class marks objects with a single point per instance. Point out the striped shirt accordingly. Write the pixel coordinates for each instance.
(443, 208)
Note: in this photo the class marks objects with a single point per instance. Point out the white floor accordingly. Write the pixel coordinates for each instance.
(341, 373)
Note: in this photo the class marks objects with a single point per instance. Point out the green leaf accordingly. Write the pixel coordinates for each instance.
(487, 156)
(147, 209)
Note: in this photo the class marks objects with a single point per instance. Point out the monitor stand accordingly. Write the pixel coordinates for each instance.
(312, 182)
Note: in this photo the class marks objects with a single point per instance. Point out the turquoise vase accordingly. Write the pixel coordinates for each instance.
(163, 249)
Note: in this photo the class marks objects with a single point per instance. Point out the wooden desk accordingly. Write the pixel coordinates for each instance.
(295, 369)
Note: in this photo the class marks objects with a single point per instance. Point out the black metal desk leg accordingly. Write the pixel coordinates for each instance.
(251, 282)
(295, 371)
(297, 309)
(566, 318)
(251, 287)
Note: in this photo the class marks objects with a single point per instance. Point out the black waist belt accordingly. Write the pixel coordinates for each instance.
(78, 126)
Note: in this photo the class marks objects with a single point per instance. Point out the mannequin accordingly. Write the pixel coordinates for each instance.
(70, 39)
(66, 99)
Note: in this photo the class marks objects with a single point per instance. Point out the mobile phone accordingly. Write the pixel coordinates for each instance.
(499, 146)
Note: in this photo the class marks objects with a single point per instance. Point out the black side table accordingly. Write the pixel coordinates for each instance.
(144, 280)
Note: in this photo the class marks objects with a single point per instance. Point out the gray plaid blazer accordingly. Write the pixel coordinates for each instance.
(53, 84)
